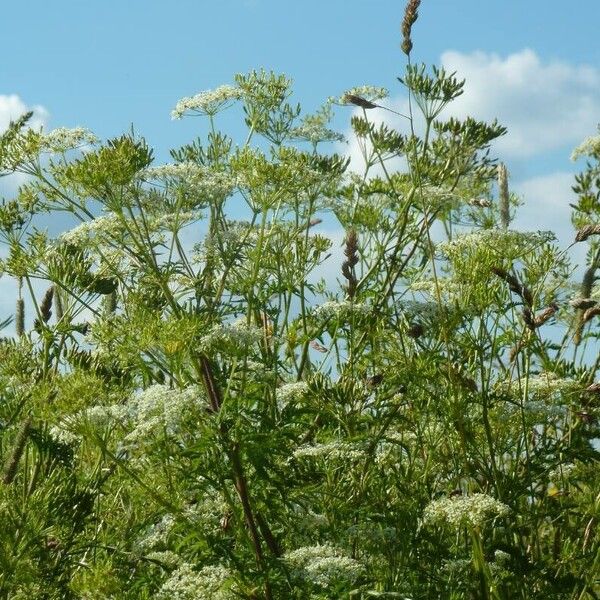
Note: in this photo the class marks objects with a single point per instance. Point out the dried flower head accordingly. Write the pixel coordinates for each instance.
(46, 305)
(410, 17)
(582, 303)
(351, 252)
(358, 101)
(11, 465)
(503, 196)
(586, 231)
(590, 313)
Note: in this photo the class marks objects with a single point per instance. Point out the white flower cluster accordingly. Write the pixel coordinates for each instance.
(156, 535)
(291, 392)
(323, 565)
(562, 472)
(589, 147)
(105, 226)
(472, 510)
(208, 513)
(458, 568)
(175, 220)
(427, 310)
(209, 583)
(506, 243)
(342, 310)
(501, 558)
(237, 235)
(543, 411)
(63, 139)
(448, 289)
(62, 434)
(200, 180)
(315, 133)
(548, 384)
(366, 92)
(166, 557)
(236, 336)
(160, 408)
(335, 451)
(314, 128)
(209, 102)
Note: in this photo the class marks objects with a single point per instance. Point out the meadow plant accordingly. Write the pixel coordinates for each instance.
(191, 410)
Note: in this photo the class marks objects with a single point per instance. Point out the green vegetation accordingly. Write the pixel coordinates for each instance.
(188, 411)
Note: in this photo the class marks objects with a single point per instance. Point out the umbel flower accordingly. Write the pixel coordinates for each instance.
(209, 583)
(323, 565)
(209, 102)
(473, 510)
(63, 139)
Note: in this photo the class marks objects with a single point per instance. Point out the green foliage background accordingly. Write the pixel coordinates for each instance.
(188, 412)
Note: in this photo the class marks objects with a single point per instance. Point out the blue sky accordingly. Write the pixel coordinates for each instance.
(108, 64)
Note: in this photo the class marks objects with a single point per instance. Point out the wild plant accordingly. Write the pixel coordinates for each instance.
(200, 403)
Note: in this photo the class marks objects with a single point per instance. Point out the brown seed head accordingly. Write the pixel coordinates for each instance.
(590, 313)
(503, 196)
(415, 331)
(594, 388)
(358, 101)
(582, 303)
(585, 232)
(46, 305)
(318, 347)
(546, 314)
(410, 17)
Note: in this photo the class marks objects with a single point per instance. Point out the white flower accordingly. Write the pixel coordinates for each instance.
(160, 408)
(156, 535)
(236, 336)
(471, 510)
(340, 451)
(291, 392)
(323, 565)
(504, 243)
(209, 583)
(167, 558)
(501, 558)
(340, 310)
(314, 127)
(105, 226)
(204, 181)
(561, 472)
(63, 435)
(589, 147)
(548, 384)
(63, 139)
(209, 102)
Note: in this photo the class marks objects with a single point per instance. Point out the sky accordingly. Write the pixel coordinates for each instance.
(112, 64)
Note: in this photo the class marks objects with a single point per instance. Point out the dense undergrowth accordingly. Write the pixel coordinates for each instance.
(189, 411)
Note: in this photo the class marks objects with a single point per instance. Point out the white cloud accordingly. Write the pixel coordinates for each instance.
(544, 105)
(547, 207)
(547, 200)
